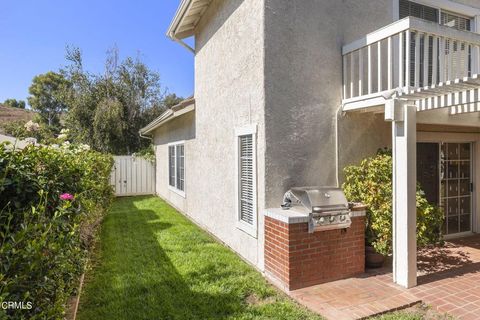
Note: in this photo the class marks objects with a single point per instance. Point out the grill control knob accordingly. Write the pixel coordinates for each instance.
(332, 219)
(343, 217)
(321, 220)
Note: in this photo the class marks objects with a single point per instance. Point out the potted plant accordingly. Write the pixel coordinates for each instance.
(373, 259)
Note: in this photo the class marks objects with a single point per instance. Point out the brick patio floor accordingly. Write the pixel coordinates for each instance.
(448, 281)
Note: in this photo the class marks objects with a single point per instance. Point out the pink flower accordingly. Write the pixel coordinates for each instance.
(66, 196)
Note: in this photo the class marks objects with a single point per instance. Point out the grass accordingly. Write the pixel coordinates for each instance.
(417, 312)
(153, 263)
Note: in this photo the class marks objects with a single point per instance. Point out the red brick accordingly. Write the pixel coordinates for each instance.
(299, 258)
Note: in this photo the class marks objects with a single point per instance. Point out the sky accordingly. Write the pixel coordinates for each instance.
(34, 34)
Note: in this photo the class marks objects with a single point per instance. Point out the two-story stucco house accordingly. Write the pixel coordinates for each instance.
(289, 92)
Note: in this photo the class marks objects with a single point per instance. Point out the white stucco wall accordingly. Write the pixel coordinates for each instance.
(179, 129)
(276, 64)
(303, 83)
(228, 94)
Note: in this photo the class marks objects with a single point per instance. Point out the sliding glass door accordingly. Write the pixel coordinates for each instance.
(444, 171)
(456, 185)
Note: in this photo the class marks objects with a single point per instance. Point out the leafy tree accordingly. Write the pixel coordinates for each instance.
(171, 100)
(14, 103)
(82, 98)
(108, 126)
(46, 96)
(106, 111)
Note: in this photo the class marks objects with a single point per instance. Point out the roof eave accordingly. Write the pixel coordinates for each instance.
(172, 113)
(183, 9)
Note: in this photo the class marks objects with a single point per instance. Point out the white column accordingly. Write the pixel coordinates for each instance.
(404, 195)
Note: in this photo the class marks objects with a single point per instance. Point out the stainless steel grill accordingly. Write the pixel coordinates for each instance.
(327, 207)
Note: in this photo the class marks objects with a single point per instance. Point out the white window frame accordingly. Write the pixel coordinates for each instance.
(174, 188)
(446, 5)
(251, 129)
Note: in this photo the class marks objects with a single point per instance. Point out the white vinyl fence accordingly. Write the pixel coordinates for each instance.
(132, 176)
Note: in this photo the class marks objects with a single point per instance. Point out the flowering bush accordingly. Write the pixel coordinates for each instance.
(48, 196)
(31, 129)
(371, 183)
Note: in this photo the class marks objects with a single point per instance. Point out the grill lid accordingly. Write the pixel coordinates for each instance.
(320, 199)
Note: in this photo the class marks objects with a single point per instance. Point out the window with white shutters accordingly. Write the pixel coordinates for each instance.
(413, 9)
(246, 179)
(176, 167)
(456, 49)
(456, 21)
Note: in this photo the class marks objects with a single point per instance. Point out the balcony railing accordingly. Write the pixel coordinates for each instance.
(436, 55)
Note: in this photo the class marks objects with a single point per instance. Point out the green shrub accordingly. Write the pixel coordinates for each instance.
(147, 153)
(48, 196)
(22, 129)
(371, 183)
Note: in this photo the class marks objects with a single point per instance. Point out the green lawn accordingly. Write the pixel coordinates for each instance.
(152, 263)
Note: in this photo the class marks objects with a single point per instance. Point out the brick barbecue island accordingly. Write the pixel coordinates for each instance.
(295, 258)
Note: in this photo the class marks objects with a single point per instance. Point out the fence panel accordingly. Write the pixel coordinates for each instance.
(132, 176)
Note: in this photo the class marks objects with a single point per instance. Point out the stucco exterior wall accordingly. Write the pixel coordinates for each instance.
(229, 94)
(179, 129)
(303, 83)
(276, 64)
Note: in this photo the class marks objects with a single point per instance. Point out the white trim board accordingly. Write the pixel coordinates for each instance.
(174, 189)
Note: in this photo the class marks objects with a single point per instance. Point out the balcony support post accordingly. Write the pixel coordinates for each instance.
(403, 116)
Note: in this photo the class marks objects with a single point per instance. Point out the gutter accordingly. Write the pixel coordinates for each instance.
(182, 43)
(182, 9)
(144, 137)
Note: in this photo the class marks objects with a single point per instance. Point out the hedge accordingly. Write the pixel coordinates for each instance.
(51, 197)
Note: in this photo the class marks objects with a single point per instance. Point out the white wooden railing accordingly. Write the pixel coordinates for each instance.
(436, 54)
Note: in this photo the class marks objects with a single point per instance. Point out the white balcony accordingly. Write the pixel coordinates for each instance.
(442, 69)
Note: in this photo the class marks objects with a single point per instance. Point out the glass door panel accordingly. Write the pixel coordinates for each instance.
(455, 190)
(427, 170)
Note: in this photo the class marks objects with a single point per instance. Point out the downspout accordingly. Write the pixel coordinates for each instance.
(144, 137)
(182, 43)
(337, 149)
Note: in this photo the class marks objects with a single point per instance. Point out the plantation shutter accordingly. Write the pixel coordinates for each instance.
(171, 165)
(412, 9)
(455, 21)
(246, 176)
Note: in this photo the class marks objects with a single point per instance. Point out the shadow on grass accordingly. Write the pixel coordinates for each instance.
(135, 278)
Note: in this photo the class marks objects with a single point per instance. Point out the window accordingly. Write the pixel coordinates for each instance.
(246, 179)
(444, 17)
(413, 9)
(459, 51)
(176, 167)
(456, 21)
